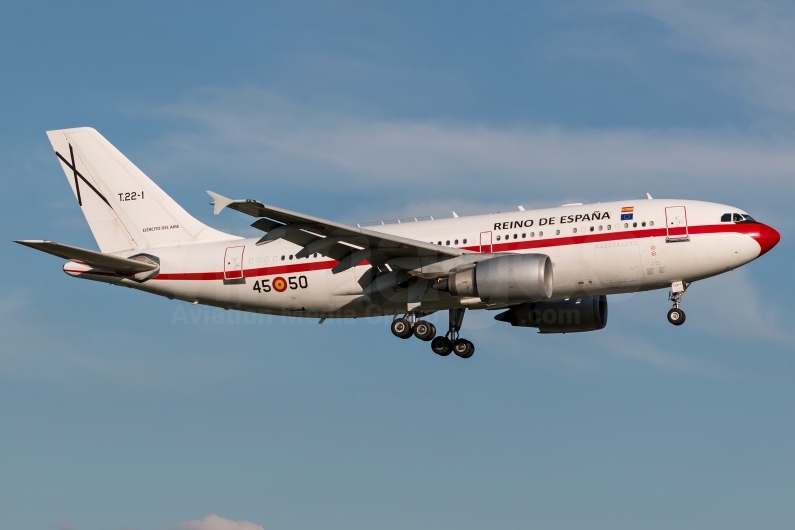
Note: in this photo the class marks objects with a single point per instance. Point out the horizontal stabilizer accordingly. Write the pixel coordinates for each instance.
(93, 258)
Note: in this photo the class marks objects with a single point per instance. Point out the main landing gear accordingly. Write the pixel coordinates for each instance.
(676, 316)
(409, 325)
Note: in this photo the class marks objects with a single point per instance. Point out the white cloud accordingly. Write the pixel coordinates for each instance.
(259, 137)
(730, 306)
(662, 360)
(213, 522)
(754, 42)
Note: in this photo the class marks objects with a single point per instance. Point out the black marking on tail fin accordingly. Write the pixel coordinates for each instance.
(77, 174)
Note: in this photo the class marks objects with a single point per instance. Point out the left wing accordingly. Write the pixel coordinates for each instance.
(347, 244)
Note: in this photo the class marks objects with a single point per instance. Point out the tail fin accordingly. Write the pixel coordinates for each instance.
(124, 208)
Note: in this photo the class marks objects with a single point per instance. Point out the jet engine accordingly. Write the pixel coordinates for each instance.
(588, 313)
(509, 278)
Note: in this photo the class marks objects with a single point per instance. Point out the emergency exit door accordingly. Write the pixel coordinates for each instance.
(233, 263)
(485, 241)
(676, 223)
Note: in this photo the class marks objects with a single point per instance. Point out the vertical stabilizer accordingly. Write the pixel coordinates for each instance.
(124, 208)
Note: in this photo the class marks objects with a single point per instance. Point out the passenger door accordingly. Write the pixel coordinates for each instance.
(233, 263)
(485, 241)
(676, 223)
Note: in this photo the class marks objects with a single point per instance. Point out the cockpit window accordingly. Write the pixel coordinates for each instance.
(737, 218)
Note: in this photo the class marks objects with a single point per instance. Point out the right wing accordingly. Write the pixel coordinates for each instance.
(347, 244)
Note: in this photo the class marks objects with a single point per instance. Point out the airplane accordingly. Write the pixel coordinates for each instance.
(550, 269)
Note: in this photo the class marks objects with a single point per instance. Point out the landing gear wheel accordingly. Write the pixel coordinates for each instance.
(401, 328)
(463, 348)
(424, 330)
(441, 346)
(676, 316)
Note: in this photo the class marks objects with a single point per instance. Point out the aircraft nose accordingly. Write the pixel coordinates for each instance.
(767, 238)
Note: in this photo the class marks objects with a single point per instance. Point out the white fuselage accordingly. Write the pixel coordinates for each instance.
(592, 249)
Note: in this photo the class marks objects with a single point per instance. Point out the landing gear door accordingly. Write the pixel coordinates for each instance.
(676, 224)
(485, 242)
(233, 263)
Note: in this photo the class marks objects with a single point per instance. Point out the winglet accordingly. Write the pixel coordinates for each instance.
(219, 201)
(649, 196)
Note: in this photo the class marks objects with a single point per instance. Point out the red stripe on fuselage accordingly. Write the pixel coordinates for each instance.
(555, 241)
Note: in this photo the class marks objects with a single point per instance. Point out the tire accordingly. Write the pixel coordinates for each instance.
(401, 328)
(441, 346)
(424, 330)
(463, 348)
(676, 316)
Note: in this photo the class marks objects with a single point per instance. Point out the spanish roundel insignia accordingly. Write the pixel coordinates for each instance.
(279, 284)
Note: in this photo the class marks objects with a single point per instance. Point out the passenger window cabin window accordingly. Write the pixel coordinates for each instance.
(447, 243)
(609, 227)
(438, 242)
(573, 230)
(524, 235)
(456, 241)
(282, 258)
(541, 234)
(516, 236)
(726, 218)
(557, 232)
(643, 223)
(591, 229)
(498, 238)
(600, 228)
(634, 225)
(626, 225)
(651, 223)
(532, 234)
(465, 241)
(315, 254)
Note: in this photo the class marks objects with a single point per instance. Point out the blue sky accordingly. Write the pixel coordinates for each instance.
(116, 413)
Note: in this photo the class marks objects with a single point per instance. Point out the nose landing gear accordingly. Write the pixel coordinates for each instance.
(676, 316)
(408, 325)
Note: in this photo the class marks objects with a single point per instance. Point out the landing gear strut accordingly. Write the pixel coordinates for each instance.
(676, 316)
(451, 342)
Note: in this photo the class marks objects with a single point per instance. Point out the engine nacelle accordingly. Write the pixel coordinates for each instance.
(588, 313)
(509, 278)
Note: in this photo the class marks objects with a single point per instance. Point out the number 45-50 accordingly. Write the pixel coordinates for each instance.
(294, 282)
